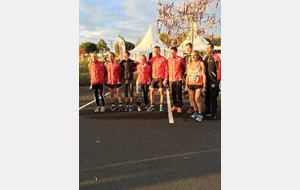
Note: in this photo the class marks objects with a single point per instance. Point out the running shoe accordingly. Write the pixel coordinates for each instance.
(161, 108)
(126, 108)
(199, 118)
(130, 108)
(179, 110)
(113, 108)
(190, 111)
(139, 108)
(102, 109)
(120, 108)
(151, 108)
(97, 109)
(208, 115)
(194, 115)
(174, 108)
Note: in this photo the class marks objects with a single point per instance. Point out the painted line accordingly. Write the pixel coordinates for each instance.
(170, 114)
(92, 101)
(149, 160)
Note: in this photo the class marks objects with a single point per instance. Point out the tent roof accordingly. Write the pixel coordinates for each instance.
(148, 42)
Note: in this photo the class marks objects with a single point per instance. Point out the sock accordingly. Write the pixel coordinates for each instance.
(120, 104)
(113, 105)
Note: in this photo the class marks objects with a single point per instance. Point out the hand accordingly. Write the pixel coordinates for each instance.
(203, 89)
(165, 82)
(186, 89)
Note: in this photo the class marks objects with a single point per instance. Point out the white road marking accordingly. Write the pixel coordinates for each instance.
(92, 102)
(170, 114)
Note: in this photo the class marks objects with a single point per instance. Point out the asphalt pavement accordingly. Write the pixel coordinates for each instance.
(142, 150)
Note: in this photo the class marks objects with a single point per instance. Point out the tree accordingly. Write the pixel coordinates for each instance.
(102, 46)
(216, 40)
(89, 47)
(175, 21)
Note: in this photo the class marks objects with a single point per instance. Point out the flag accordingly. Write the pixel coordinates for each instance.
(122, 47)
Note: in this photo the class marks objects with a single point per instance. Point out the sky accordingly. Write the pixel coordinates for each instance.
(131, 19)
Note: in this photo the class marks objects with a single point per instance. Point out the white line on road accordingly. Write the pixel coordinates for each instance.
(188, 154)
(170, 114)
(91, 102)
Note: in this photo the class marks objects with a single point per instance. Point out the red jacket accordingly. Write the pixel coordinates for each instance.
(97, 72)
(175, 68)
(113, 72)
(144, 74)
(159, 67)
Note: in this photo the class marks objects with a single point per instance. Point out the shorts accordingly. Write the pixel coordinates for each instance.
(157, 83)
(194, 87)
(114, 86)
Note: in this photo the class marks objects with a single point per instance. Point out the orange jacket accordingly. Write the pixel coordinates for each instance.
(97, 72)
(159, 67)
(144, 74)
(114, 72)
(175, 66)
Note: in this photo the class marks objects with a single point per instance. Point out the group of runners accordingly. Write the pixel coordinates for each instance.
(194, 74)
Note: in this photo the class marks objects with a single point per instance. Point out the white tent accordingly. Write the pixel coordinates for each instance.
(147, 44)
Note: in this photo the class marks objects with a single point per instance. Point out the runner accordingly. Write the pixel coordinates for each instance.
(97, 72)
(176, 65)
(114, 81)
(213, 69)
(196, 83)
(188, 59)
(128, 67)
(159, 77)
(143, 80)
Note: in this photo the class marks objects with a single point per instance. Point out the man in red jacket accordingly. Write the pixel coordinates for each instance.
(159, 77)
(114, 80)
(97, 72)
(176, 65)
(213, 76)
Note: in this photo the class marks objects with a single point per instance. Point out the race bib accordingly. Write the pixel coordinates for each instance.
(194, 78)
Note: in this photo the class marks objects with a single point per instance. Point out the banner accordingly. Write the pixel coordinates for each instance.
(122, 47)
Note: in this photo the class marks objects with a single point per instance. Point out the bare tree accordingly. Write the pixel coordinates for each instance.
(177, 20)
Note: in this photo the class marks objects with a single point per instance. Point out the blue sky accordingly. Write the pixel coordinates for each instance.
(106, 19)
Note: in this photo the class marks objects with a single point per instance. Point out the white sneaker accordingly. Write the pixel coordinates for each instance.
(139, 108)
(194, 115)
(102, 109)
(97, 109)
(199, 118)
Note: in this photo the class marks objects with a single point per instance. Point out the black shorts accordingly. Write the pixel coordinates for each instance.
(157, 83)
(194, 87)
(114, 86)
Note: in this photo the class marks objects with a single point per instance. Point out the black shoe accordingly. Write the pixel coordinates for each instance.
(113, 108)
(213, 117)
(208, 115)
(120, 109)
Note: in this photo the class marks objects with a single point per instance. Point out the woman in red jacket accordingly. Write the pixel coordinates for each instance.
(143, 80)
(97, 72)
